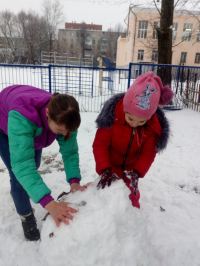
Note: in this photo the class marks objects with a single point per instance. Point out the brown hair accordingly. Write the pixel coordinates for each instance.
(64, 110)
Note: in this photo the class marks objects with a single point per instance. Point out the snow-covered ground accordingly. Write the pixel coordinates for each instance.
(107, 230)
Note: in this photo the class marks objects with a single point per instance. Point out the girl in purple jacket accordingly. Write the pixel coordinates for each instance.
(31, 119)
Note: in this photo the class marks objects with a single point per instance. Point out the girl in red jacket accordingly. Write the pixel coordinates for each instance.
(131, 130)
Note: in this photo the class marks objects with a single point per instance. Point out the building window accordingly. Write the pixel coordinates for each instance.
(140, 55)
(197, 58)
(155, 56)
(187, 32)
(104, 41)
(71, 45)
(174, 31)
(183, 57)
(71, 40)
(142, 29)
(77, 34)
(93, 41)
(155, 26)
(71, 34)
(198, 34)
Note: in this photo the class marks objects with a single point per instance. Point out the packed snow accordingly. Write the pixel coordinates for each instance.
(107, 230)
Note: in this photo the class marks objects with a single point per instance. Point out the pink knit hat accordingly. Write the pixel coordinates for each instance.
(145, 94)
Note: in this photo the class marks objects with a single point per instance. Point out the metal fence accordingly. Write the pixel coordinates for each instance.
(92, 86)
(184, 81)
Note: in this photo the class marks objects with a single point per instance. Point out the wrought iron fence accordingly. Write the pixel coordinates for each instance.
(92, 86)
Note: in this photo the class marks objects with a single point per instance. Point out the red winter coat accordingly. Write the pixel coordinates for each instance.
(114, 137)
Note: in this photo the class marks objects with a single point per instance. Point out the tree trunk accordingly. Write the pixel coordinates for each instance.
(165, 40)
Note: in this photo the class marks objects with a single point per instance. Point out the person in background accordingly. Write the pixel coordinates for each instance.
(31, 119)
(132, 128)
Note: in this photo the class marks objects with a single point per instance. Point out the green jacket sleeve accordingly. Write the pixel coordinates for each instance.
(70, 155)
(21, 134)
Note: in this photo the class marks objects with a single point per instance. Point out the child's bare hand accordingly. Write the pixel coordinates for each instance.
(60, 211)
(77, 186)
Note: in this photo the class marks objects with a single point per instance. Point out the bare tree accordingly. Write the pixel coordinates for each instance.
(34, 31)
(62, 44)
(112, 35)
(9, 30)
(159, 45)
(84, 39)
(27, 33)
(53, 13)
(164, 32)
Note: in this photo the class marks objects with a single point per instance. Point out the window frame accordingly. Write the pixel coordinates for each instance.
(183, 56)
(154, 56)
(140, 56)
(174, 31)
(198, 34)
(197, 56)
(155, 26)
(142, 29)
(187, 32)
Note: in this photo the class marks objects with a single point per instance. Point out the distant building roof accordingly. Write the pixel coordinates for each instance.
(76, 26)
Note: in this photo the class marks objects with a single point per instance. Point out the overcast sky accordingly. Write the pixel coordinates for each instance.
(106, 14)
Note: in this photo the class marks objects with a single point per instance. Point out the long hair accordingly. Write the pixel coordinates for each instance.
(64, 110)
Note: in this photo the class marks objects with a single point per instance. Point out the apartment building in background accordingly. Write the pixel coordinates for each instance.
(140, 44)
(88, 40)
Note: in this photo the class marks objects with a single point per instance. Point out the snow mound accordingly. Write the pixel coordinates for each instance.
(107, 231)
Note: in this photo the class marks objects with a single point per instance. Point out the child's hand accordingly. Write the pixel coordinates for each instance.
(107, 177)
(77, 186)
(60, 212)
(133, 176)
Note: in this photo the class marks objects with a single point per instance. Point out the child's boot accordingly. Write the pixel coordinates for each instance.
(29, 225)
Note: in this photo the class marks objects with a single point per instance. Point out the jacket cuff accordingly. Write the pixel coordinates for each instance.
(45, 200)
(74, 180)
(136, 173)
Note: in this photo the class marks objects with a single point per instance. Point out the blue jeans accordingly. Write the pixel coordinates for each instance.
(19, 194)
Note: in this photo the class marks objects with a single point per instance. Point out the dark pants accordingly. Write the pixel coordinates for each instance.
(19, 194)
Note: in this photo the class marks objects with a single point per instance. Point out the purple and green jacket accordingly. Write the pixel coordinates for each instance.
(23, 119)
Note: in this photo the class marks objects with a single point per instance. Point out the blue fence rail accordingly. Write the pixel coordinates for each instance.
(92, 86)
(184, 81)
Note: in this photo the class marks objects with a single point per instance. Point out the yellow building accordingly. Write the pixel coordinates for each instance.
(140, 45)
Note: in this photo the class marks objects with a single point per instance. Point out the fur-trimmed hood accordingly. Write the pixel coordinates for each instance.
(106, 118)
